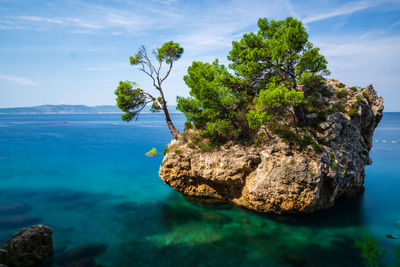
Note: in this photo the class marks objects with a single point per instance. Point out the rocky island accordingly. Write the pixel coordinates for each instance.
(269, 132)
(277, 177)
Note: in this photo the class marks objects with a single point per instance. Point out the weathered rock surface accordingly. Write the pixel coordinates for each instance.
(28, 247)
(277, 178)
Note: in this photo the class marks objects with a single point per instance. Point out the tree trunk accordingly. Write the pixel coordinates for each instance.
(175, 133)
(300, 114)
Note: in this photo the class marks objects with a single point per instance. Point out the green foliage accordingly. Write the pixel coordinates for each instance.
(259, 88)
(352, 111)
(206, 147)
(165, 151)
(370, 251)
(169, 52)
(271, 102)
(155, 107)
(355, 106)
(178, 152)
(188, 125)
(356, 88)
(130, 100)
(341, 85)
(342, 94)
(339, 107)
(152, 153)
(311, 80)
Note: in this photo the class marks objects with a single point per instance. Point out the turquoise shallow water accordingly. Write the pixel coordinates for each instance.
(88, 178)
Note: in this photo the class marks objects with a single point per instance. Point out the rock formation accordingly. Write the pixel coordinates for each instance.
(278, 178)
(28, 247)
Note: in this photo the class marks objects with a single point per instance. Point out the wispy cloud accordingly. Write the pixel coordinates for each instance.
(41, 19)
(52, 48)
(77, 22)
(19, 80)
(346, 9)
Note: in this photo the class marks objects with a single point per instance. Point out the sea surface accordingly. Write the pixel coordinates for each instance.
(87, 176)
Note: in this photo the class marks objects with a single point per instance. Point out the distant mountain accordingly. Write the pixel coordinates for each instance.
(70, 109)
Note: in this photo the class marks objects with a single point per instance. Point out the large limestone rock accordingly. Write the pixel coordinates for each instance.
(277, 178)
(28, 247)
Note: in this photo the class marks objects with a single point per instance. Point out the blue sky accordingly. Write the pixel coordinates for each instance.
(76, 52)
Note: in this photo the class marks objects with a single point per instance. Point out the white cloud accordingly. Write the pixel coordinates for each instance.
(19, 80)
(370, 58)
(42, 19)
(346, 9)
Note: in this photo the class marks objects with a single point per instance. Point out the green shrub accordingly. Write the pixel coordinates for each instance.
(165, 151)
(191, 145)
(339, 107)
(352, 111)
(178, 152)
(317, 147)
(311, 80)
(342, 94)
(353, 88)
(354, 107)
(188, 125)
(325, 92)
(206, 147)
(341, 85)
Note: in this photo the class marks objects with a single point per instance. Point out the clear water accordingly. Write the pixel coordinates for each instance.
(88, 178)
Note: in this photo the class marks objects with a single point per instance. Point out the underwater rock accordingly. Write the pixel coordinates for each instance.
(209, 203)
(79, 255)
(15, 208)
(17, 221)
(28, 247)
(277, 177)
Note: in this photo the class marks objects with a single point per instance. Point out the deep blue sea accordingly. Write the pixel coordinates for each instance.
(88, 178)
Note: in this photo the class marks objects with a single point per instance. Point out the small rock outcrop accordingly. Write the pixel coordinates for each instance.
(275, 177)
(28, 247)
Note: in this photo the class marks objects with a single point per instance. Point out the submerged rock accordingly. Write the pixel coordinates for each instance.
(278, 178)
(82, 256)
(28, 247)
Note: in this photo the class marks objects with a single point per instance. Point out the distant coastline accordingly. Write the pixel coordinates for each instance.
(71, 109)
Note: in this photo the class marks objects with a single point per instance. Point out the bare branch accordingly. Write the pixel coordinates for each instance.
(166, 75)
(150, 75)
(145, 104)
(147, 62)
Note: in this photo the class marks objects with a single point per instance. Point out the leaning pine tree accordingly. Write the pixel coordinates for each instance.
(132, 100)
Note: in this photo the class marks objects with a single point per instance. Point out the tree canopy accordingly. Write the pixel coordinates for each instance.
(132, 99)
(260, 85)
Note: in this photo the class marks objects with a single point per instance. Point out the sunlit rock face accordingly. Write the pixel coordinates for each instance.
(276, 177)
